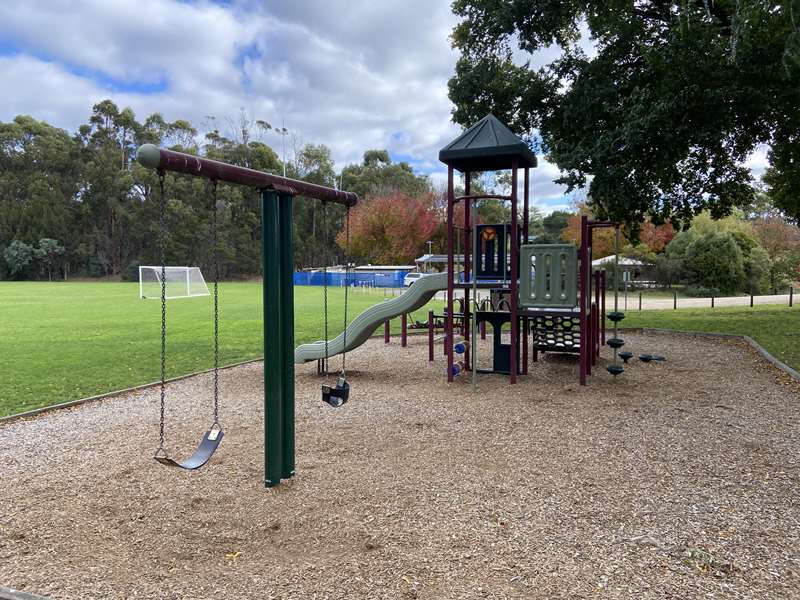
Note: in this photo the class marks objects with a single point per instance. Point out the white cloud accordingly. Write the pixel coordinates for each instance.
(352, 74)
(758, 161)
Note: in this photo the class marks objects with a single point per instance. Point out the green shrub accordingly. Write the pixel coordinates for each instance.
(715, 261)
(699, 291)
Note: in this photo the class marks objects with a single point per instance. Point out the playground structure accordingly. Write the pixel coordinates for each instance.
(555, 296)
(547, 290)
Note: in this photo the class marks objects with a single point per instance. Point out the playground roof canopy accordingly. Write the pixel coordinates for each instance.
(487, 146)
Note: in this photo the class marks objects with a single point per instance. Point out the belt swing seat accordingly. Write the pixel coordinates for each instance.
(212, 438)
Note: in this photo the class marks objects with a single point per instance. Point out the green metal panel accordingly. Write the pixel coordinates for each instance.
(548, 276)
(273, 347)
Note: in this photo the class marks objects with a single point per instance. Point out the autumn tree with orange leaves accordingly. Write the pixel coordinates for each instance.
(390, 229)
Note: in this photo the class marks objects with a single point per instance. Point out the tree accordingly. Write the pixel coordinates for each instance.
(715, 262)
(552, 226)
(18, 256)
(663, 117)
(390, 229)
(39, 178)
(656, 237)
(781, 241)
(603, 240)
(378, 175)
(48, 254)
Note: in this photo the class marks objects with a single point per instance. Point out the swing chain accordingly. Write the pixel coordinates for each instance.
(215, 259)
(325, 282)
(162, 242)
(346, 284)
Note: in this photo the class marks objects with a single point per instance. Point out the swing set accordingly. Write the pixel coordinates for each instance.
(276, 195)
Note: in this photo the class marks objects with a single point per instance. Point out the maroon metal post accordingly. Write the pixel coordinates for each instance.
(583, 260)
(154, 157)
(448, 335)
(483, 329)
(525, 232)
(430, 335)
(595, 324)
(603, 305)
(514, 272)
(467, 309)
(596, 337)
(525, 202)
(386, 332)
(404, 330)
(524, 345)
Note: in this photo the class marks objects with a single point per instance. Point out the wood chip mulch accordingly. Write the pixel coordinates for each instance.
(677, 480)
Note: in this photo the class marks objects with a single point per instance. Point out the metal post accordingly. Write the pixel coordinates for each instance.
(675, 300)
(603, 305)
(404, 330)
(450, 275)
(467, 257)
(596, 311)
(514, 273)
(582, 268)
(712, 300)
(751, 298)
(593, 341)
(287, 334)
(386, 331)
(640, 301)
(474, 355)
(273, 382)
(430, 336)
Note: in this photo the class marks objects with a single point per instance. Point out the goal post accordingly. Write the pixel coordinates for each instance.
(181, 282)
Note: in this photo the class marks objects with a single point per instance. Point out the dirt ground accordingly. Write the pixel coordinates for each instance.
(678, 480)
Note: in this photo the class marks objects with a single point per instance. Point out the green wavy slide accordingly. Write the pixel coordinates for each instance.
(363, 326)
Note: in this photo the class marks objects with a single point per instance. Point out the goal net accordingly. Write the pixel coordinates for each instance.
(181, 282)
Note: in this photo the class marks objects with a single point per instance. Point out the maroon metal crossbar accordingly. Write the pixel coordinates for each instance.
(153, 157)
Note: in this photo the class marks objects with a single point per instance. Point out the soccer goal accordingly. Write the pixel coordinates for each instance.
(181, 282)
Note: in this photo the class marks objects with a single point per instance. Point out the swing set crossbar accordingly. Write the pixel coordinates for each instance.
(153, 157)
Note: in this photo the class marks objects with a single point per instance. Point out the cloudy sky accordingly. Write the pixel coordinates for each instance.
(352, 74)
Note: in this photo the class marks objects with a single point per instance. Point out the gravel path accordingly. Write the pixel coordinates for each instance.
(678, 480)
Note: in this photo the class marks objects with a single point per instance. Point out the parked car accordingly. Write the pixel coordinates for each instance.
(411, 278)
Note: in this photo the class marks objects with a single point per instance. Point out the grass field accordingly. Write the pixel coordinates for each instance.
(72, 340)
(777, 328)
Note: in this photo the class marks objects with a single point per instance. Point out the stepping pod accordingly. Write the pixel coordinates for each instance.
(615, 369)
(615, 343)
(625, 356)
(615, 317)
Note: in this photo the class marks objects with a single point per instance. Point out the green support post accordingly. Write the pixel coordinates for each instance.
(273, 421)
(276, 247)
(287, 334)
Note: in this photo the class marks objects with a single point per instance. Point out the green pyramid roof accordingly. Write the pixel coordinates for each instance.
(487, 146)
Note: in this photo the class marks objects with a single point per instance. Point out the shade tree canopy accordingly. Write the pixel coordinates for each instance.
(658, 118)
